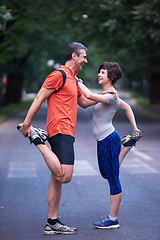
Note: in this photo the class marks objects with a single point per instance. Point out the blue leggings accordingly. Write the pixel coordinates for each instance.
(108, 159)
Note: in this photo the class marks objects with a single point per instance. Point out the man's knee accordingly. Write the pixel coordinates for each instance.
(66, 179)
(67, 173)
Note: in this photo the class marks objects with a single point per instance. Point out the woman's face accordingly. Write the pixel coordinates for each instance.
(103, 76)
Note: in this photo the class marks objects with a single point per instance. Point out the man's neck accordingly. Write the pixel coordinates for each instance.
(70, 65)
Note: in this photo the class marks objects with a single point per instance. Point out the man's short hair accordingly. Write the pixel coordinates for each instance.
(74, 47)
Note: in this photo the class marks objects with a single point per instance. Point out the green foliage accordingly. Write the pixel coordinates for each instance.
(145, 104)
(11, 109)
(5, 16)
(113, 30)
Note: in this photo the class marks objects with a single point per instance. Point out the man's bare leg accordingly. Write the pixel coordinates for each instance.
(54, 191)
(61, 172)
(54, 195)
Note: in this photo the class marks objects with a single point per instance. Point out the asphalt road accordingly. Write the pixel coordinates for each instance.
(24, 179)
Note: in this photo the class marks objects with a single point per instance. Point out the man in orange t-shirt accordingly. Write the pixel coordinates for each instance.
(61, 122)
(63, 104)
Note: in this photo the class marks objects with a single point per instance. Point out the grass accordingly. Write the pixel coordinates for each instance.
(6, 111)
(144, 102)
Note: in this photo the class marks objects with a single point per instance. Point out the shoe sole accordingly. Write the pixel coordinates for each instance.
(128, 138)
(57, 232)
(18, 127)
(137, 134)
(109, 227)
(38, 134)
(125, 139)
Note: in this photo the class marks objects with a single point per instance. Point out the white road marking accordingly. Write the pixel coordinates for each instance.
(22, 170)
(146, 166)
(137, 166)
(140, 154)
(84, 168)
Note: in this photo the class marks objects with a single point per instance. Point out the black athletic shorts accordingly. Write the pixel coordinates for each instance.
(62, 146)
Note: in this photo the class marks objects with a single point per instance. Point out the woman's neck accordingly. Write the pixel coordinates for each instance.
(107, 86)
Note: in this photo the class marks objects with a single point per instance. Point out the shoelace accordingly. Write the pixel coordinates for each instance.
(137, 134)
(107, 219)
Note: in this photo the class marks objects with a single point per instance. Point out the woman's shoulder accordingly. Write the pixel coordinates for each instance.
(111, 99)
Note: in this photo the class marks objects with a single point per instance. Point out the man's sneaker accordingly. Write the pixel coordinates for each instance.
(107, 223)
(130, 140)
(36, 133)
(58, 228)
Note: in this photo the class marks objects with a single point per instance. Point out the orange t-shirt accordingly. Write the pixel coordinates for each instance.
(62, 106)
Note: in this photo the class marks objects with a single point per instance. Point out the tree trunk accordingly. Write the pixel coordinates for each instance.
(15, 81)
(154, 91)
(14, 88)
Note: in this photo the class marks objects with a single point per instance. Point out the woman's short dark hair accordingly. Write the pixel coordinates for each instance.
(74, 47)
(114, 70)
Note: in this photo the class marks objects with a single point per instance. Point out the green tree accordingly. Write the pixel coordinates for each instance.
(113, 30)
(27, 42)
(124, 31)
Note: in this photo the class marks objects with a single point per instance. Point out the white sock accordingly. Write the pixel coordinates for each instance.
(112, 218)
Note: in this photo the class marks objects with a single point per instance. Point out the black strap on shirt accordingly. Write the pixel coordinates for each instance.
(64, 79)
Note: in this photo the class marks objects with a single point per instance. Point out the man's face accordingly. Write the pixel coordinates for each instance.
(80, 60)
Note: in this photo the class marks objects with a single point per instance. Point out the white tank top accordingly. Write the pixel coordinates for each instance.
(103, 114)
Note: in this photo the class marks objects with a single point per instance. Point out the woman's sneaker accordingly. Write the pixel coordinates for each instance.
(131, 139)
(58, 228)
(107, 223)
(36, 133)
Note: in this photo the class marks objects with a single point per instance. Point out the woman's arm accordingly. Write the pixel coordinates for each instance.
(89, 95)
(129, 113)
(83, 102)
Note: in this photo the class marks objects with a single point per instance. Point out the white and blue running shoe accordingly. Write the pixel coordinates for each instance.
(107, 223)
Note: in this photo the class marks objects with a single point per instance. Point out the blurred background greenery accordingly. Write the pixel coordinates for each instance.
(34, 36)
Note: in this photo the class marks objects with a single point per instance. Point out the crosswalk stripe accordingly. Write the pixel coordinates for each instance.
(137, 166)
(140, 154)
(22, 170)
(84, 168)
